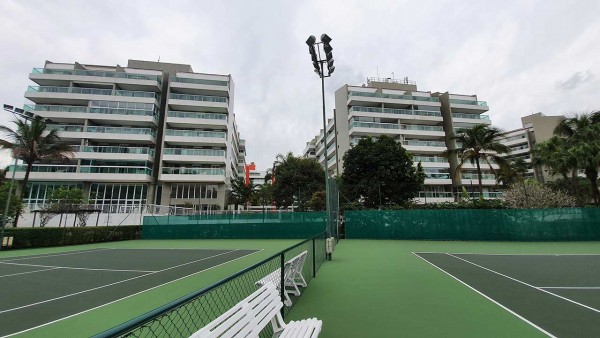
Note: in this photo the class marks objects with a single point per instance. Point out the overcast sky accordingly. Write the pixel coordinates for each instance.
(521, 57)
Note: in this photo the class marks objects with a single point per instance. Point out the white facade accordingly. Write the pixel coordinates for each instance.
(148, 133)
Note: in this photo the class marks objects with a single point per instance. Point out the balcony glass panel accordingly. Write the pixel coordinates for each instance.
(196, 133)
(473, 176)
(436, 159)
(193, 171)
(97, 73)
(394, 96)
(55, 108)
(470, 116)
(200, 81)
(118, 150)
(469, 102)
(357, 124)
(423, 128)
(435, 194)
(437, 175)
(91, 91)
(196, 152)
(196, 115)
(121, 130)
(64, 127)
(205, 98)
(105, 169)
(424, 143)
(514, 138)
(45, 168)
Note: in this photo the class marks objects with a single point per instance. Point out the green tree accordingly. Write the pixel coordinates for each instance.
(381, 173)
(66, 197)
(478, 144)
(16, 204)
(318, 201)
(241, 193)
(511, 172)
(296, 179)
(581, 134)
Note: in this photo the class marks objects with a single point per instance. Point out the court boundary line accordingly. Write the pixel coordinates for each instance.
(132, 295)
(526, 284)
(571, 287)
(18, 258)
(74, 268)
(484, 295)
(110, 284)
(24, 273)
(503, 254)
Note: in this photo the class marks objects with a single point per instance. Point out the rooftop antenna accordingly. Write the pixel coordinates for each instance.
(159, 58)
(378, 72)
(393, 78)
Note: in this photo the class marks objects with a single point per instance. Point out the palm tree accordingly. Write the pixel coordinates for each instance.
(478, 144)
(512, 172)
(581, 135)
(242, 192)
(555, 154)
(28, 143)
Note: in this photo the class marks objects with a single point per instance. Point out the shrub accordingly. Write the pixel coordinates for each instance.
(532, 194)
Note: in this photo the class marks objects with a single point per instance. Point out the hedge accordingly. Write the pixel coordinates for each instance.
(44, 237)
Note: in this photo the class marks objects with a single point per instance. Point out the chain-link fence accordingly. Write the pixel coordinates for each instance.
(183, 317)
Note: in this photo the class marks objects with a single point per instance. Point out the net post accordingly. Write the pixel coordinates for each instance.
(314, 258)
(282, 282)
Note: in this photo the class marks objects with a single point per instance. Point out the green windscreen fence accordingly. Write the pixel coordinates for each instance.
(496, 225)
(279, 225)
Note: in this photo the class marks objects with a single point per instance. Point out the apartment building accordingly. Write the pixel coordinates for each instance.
(149, 133)
(420, 120)
(536, 128)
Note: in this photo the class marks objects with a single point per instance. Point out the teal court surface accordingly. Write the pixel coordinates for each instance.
(36, 290)
(557, 294)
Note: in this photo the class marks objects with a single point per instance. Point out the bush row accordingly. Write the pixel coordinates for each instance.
(465, 204)
(44, 237)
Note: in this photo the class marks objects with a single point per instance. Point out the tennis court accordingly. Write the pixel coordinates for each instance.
(39, 289)
(557, 294)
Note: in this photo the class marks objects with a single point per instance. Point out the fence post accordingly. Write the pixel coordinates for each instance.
(314, 259)
(282, 283)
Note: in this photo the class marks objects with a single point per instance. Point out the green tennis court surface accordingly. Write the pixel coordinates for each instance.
(40, 289)
(557, 294)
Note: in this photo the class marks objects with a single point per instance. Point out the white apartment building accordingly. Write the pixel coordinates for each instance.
(149, 133)
(419, 120)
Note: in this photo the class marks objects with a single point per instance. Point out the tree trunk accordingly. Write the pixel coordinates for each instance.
(479, 177)
(23, 191)
(592, 175)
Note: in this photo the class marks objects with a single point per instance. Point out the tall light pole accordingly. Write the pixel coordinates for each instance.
(319, 64)
(17, 112)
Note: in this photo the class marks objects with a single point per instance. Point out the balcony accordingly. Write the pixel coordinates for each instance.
(115, 153)
(469, 105)
(185, 174)
(81, 96)
(422, 130)
(138, 135)
(437, 178)
(402, 114)
(187, 102)
(129, 81)
(195, 137)
(370, 128)
(425, 147)
(434, 197)
(188, 85)
(139, 114)
(182, 119)
(355, 97)
(431, 161)
(468, 179)
(44, 172)
(209, 156)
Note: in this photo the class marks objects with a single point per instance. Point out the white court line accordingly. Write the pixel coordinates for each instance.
(74, 268)
(107, 285)
(53, 255)
(502, 254)
(486, 296)
(531, 286)
(571, 287)
(24, 273)
(135, 294)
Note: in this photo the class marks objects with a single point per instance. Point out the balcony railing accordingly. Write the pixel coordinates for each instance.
(197, 115)
(199, 81)
(430, 159)
(45, 168)
(105, 169)
(65, 128)
(194, 152)
(204, 98)
(438, 176)
(117, 150)
(356, 124)
(395, 111)
(469, 102)
(196, 133)
(92, 109)
(424, 143)
(121, 130)
(420, 127)
(470, 116)
(487, 194)
(193, 171)
(92, 91)
(475, 177)
(435, 194)
(514, 138)
(394, 96)
(97, 73)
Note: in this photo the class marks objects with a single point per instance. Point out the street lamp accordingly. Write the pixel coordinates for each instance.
(319, 65)
(17, 112)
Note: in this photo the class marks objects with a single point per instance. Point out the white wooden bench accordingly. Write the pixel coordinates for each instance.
(250, 316)
(292, 273)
